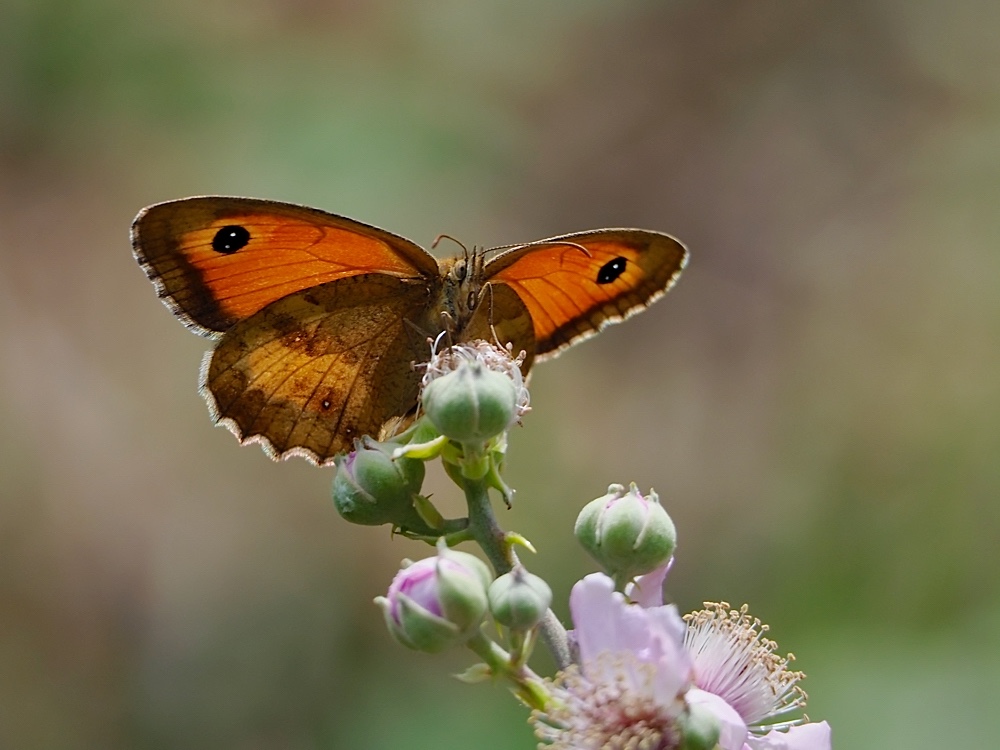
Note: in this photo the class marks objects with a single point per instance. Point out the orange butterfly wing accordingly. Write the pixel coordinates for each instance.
(313, 371)
(217, 260)
(501, 317)
(576, 284)
(321, 317)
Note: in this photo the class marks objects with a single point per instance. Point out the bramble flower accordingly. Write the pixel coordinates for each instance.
(642, 681)
(628, 688)
(471, 395)
(647, 590)
(490, 356)
(738, 675)
(751, 688)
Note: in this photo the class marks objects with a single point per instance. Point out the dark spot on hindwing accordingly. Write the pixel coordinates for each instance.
(611, 270)
(310, 343)
(230, 238)
(284, 323)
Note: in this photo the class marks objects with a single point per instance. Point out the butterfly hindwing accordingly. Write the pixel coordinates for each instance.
(310, 373)
(501, 318)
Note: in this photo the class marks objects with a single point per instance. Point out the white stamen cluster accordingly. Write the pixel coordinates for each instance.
(490, 356)
(733, 659)
(621, 711)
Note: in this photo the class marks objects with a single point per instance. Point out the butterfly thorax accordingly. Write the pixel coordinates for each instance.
(463, 284)
(477, 308)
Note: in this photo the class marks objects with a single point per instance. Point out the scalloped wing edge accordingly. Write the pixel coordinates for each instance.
(230, 424)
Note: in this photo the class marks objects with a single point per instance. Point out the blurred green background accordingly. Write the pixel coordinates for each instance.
(816, 401)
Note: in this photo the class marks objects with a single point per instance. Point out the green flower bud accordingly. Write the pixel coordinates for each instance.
(700, 728)
(519, 599)
(371, 488)
(627, 533)
(471, 404)
(437, 602)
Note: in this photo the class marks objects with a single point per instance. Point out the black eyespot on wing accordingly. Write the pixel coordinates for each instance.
(611, 270)
(229, 239)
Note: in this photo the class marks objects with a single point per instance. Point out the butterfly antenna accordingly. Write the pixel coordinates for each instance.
(440, 237)
(541, 243)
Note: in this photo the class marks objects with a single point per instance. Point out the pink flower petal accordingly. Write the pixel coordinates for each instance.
(605, 623)
(594, 616)
(812, 736)
(647, 590)
(734, 731)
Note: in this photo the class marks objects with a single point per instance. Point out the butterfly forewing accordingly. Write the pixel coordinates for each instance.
(217, 261)
(576, 284)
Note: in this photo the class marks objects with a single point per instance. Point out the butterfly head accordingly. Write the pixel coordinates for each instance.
(463, 284)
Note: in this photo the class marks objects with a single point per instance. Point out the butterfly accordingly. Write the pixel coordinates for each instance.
(319, 319)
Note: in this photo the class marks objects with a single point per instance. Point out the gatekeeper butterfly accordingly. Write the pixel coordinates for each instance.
(320, 319)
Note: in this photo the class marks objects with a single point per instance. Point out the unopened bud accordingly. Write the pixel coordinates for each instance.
(627, 533)
(371, 488)
(437, 602)
(700, 728)
(471, 404)
(519, 599)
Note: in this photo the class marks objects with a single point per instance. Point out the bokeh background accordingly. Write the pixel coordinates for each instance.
(816, 402)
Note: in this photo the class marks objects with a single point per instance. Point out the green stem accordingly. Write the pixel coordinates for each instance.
(554, 635)
(491, 538)
(528, 686)
(484, 527)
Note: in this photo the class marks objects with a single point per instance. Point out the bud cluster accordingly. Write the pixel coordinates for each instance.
(442, 601)
(473, 393)
(712, 682)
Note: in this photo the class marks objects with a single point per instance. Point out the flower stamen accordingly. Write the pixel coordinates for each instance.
(733, 660)
(619, 711)
(492, 357)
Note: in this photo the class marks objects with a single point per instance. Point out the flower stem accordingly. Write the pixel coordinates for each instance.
(491, 538)
(554, 635)
(527, 685)
(484, 527)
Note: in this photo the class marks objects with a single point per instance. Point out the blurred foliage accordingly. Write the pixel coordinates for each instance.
(816, 402)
